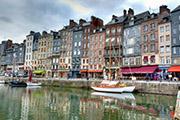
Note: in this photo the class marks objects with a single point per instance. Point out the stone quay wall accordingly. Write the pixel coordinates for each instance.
(142, 86)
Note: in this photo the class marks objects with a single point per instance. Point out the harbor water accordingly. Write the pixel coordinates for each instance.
(55, 103)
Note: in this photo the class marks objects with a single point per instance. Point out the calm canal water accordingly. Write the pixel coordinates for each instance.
(77, 104)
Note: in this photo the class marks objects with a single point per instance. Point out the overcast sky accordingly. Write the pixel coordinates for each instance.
(18, 17)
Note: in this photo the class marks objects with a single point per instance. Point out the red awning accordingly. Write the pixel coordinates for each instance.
(174, 69)
(91, 71)
(95, 71)
(138, 70)
(83, 71)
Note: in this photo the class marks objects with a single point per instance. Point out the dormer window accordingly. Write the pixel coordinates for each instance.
(113, 21)
(131, 23)
(152, 16)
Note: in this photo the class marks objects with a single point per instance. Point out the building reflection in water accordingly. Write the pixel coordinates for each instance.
(75, 104)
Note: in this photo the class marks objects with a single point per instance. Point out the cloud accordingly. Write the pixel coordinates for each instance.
(5, 19)
(18, 17)
(78, 8)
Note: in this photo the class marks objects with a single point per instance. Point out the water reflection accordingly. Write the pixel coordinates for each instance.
(76, 104)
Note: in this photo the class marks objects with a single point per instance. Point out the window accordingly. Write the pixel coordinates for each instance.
(100, 52)
(167, 60)
(145, 48)
(138, 61)
(167, 28)
(152, 47)
(145, 37)
(174, 50)
(126, 61)
(131, 41)
(145, 59)
(162, 29)
(79, 52)
(162, 60)
(74, 52)
(152, 36)
(119, 29)
(130, 51)
(162, 49)
(79, 43)
(174, 31)
(152, 59)
(107, 31)
(167, 48)
(131, 23)
(145, 28)
(113, 31)
(167, 38)
(153, 26)
(161, 38)
(174, 40)
(132, 61)
(75, 44)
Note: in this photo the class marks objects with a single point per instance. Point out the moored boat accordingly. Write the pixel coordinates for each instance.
(2, 82)
(113, 86)
(33, 84)
(114, 89)
(16, 83)
(30, 82)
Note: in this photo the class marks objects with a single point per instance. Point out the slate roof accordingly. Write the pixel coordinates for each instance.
(142, 15)
(117, 20)
(176, 9)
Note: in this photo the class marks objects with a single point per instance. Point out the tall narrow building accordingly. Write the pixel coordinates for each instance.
(149, 40)
(96, 53)
(175, 35)
(66, 35)
(113, 46)
(45, 51)
(30, 41)
(164, 37)
(88, 28)
(76, 49)
(132, 42)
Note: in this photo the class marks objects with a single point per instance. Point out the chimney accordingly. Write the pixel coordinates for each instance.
(114, 17)
(124, 12)
(72, 23)
(81, 21)
(164, 8)
(130, 12)
(32, 32)
(44, 33)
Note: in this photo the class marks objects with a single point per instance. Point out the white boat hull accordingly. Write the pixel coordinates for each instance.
(33, 84)
(2, 81)
(116, 90)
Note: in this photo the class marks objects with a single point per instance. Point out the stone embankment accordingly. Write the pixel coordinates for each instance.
(142, 86)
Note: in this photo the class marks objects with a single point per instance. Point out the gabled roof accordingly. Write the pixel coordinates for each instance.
(117, 20)
(142, 15)
(176, 9)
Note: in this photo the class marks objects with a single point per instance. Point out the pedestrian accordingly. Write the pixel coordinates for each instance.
(170, 77)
